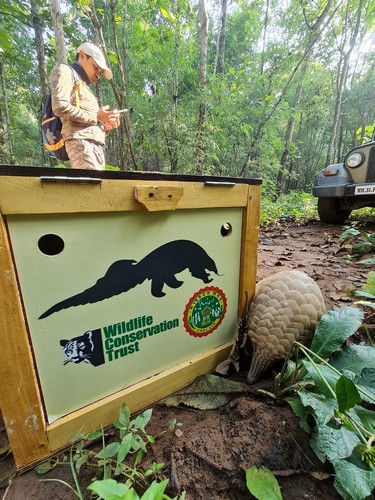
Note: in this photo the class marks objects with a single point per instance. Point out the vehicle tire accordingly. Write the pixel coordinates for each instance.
(329, 211)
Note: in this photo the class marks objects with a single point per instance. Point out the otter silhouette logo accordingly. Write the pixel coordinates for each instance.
(160, 267)
(88, 348)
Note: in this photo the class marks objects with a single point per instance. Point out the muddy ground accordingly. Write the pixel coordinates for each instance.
(216, 446)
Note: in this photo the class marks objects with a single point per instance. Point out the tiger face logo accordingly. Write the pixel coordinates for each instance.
(87, 348)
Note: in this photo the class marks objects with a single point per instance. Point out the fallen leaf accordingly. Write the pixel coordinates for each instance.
(321, 476)
(207, 392)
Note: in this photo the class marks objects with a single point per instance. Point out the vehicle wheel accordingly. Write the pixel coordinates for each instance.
(329, 211)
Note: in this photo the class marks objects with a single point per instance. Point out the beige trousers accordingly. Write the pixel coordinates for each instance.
(84, 153)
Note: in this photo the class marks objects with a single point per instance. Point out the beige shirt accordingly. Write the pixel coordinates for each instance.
(76, 105)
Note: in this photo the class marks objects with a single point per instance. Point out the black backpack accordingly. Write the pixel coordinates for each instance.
(51, 130)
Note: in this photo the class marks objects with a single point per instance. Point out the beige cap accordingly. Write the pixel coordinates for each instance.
(92, 50)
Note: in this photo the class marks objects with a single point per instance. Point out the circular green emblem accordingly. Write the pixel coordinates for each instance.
(205, 311)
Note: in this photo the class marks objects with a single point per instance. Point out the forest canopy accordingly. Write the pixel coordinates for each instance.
(265, 88)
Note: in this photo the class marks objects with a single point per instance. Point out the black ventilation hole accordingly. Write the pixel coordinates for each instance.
(51, 244)
(226, 229)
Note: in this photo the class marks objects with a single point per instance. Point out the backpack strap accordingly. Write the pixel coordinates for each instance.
(78, 85)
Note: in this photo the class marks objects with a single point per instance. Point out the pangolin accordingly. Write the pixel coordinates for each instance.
(286, 307)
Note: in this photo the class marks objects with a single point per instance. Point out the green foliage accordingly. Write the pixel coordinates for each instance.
(367, 292)
(334, 328)
(120, 458)
(294, 206)
(365, 134)
(330, 383)
(109, 489)
(160, 56)
(362, 242)
(262, 484)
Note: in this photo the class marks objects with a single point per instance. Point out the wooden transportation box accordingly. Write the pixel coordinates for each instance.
(115, 287)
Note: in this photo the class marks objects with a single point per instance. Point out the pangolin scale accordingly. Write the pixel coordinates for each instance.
(286, 307)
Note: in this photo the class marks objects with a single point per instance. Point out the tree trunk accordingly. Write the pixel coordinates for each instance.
(220, 52)
(3, 153)
(315, 32)
(59, 30)
(8, 130)
(264, 38)
(342, 76)
(171, 134)
(289, 134)
(125, 140)
(39, 45)
(119, 93)
(202, 82)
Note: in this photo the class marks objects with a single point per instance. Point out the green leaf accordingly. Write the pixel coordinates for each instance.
(329, 375)
(124, 415)
(142, 420)
(46, 466)
(6, 42)
(370, 285)
(93, 435)
(300, 411)
(81, 460)
(334, 328)
(109, 489)
(367, 262)
(352, 482)
(367, 418)
(137, 443)
(354, 358)
(155, 467)
(112, 57)
(346, 393)
(362, 247)
(155, 491)
(109, 451)
(138, 458)
(124, 448)
(366, 383)
(363, 295)
(327, 442)
(262, 484)
(167, 15)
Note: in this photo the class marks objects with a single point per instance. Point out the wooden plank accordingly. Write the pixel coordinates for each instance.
(249, 254)
(28, 195)
(20, 403)
(136, 397)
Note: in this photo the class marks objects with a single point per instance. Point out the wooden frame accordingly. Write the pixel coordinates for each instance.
(26, 190)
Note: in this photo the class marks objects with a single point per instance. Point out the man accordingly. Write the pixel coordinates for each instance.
(84, 123)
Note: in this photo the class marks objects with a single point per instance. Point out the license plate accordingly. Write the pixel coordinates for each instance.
(369, 189)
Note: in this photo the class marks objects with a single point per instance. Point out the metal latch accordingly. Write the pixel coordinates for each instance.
(73, 180)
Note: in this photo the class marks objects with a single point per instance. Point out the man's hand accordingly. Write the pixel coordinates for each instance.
(110, 118)
(113, 122)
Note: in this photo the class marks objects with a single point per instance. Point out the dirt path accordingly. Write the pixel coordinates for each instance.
(209, 459)
(315, 249)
